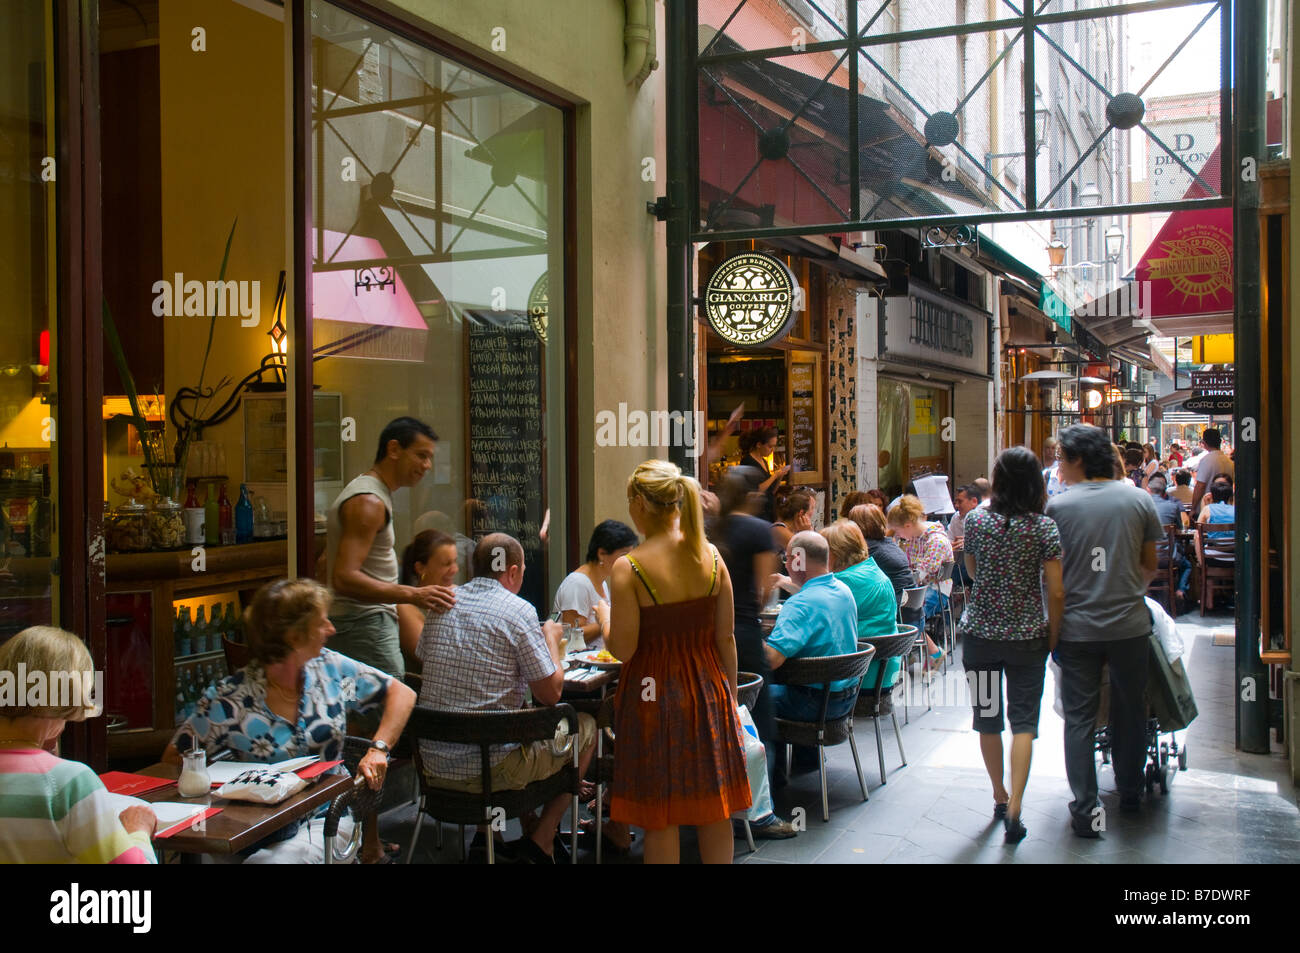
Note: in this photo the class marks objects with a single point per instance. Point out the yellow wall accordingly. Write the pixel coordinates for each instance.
(223, 157)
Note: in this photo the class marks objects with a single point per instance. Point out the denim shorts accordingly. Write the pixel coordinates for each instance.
(1024, 663)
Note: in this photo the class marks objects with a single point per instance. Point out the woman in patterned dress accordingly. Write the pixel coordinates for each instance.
(293, 699)
(1011, 551)
(681, 758)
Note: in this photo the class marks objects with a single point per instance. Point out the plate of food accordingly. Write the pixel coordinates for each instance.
(598, 658)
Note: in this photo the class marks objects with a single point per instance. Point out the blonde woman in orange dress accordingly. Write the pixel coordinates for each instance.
(681, 759)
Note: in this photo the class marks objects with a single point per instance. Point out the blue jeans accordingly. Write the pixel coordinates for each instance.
(935, 602)
(798, 703)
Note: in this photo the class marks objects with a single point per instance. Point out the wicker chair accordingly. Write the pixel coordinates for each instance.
(1166, 581)
(824, 733)
(887, 647)
(359, 798)
(1218, 561)
(485, 729)
(748, 687)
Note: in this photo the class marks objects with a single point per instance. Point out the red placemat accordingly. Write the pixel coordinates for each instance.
(123, 782)
(183, 825)
(311, 770)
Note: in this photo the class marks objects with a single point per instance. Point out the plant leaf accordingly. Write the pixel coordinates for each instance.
(128, 383)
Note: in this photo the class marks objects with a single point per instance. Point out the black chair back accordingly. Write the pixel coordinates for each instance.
(485, 729)
(822, 670)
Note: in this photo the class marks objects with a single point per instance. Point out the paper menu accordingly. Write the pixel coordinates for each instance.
(122, 782)
(933, 493)
(224, 771)
(168, 813)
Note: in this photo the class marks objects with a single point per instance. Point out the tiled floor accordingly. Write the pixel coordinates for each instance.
(1227, 807)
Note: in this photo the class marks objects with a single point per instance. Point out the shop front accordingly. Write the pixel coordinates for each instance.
(933, 385)
(194, 378)
(795, 379)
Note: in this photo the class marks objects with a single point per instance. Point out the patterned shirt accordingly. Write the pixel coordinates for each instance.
(1006, 601)
(929, 551)
(479, 656)
(57, 812)
(233, 714)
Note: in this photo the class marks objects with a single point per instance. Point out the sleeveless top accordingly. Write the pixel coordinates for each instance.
(380, 563)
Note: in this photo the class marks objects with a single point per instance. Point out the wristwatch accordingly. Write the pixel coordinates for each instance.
(382, 746)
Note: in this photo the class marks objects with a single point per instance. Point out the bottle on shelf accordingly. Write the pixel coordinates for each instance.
(233, 627)
(199, 641)
(212, 518)
(244, 516)
(193, 516)
(183, 634)
(226, 514)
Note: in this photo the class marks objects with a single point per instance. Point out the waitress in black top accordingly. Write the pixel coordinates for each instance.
(757, 448)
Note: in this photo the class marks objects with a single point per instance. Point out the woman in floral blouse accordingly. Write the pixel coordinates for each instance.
(1012, 549)
(295, 696)
(927, 548)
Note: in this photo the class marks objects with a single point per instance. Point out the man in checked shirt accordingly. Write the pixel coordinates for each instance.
(485, 654)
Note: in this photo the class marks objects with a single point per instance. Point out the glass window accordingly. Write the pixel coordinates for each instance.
(437, 285)
(28, 273)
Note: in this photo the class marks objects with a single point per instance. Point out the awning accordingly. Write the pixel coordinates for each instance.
(364, 312)
(1183, 285)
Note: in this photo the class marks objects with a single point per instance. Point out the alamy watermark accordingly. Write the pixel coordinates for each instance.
(55, 689)
(654, 428)
(197, 299)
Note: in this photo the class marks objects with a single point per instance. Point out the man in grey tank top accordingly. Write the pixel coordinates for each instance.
(362, 565)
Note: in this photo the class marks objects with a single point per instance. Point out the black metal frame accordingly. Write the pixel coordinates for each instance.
(854, 43)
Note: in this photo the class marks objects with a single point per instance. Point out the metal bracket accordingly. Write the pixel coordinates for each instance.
(659, 208)
(949, 236)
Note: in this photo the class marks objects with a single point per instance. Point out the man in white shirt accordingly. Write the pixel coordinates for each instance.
(1052, 474)
(1213, 463)
(968, 498)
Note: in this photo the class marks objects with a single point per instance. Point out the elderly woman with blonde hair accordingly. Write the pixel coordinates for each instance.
(54, 811)
(293, 699)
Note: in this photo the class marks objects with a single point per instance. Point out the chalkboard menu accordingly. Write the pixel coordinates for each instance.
(803, 417)
(507, 448)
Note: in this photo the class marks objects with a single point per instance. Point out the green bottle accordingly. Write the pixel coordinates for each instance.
(212, 518)
(232, 623)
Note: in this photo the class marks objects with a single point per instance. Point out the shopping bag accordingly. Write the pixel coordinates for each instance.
(1168, 690)
(755, 767)
(1166, 629)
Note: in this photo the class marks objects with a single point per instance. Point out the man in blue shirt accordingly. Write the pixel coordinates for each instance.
(820, 619)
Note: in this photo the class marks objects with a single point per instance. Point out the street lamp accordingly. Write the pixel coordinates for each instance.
(1114, 243)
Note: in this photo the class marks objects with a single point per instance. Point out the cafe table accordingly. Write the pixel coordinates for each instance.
(240, 824)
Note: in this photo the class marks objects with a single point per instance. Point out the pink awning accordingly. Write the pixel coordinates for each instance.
(355, 315)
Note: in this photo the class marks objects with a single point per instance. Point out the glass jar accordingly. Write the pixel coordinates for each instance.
(166, 527)
(128, 529)
(194, 780)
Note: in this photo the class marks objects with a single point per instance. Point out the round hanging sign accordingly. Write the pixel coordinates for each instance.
(750, 299)
(539, 306)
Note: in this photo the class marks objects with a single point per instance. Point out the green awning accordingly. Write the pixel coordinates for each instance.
(1050, 303)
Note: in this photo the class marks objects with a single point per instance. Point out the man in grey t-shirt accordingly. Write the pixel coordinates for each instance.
(1109, 532)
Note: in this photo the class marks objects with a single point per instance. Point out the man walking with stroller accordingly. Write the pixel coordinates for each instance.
(1108, 533)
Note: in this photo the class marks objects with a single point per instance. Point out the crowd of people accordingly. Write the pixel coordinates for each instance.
(678, 596)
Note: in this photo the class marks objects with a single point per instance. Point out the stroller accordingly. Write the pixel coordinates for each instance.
(1170, 705)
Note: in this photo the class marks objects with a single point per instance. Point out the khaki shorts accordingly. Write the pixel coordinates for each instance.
(524, 765)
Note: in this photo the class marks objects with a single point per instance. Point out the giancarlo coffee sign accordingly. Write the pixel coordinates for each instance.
(750, 299)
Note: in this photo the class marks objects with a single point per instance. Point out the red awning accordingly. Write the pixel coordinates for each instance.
(354, 316)
(1187, 271)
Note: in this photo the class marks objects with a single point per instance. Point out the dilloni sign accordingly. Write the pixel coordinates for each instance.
(750, 299)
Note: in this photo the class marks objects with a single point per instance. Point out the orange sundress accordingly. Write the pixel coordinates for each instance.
(681, 757)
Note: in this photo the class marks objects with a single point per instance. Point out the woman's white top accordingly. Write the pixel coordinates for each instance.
(577, 593)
